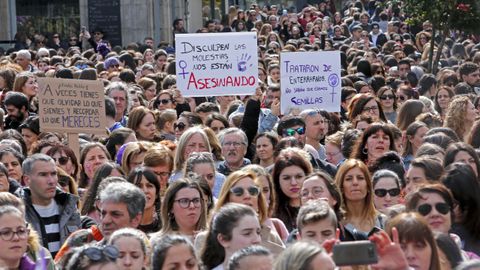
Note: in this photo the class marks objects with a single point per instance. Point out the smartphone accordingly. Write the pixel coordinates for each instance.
(82, 30)
(355, 253)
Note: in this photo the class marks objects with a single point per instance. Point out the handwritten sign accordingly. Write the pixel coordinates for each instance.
(71, 106)
(216, 64)
(310, 80)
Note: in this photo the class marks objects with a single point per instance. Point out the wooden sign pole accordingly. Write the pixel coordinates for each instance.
(73, 143)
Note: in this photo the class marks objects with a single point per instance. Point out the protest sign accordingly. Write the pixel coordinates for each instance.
(216, 64)
(310, 80)
(71, 106)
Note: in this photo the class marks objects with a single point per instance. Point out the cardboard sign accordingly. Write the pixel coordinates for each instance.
(310, 80)
(216, 64)
(71, 106)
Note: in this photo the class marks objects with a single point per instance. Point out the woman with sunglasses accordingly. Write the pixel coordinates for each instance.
(435, 203)
(289, 171)
(386, 190)
(94, 257)
(164, 100)
(183, 210)
(388, 100)
(65, 159)
(185, 121)
(243, 187)
(147, 181)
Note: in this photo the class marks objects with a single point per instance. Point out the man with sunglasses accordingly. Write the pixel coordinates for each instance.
(294, 126)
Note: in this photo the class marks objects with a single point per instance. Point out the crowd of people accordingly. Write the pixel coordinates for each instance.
(228, 182)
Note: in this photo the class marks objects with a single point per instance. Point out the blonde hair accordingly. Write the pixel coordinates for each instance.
(455, 116)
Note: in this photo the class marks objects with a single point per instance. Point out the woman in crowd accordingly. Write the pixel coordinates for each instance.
(360, 216)
(435, 203)
(375, 141)
(13, 161)
(65, 158)
(26, 82)
(192, 140)
(366, 104)
(422, 170)
(66, 182)
(304, 255)
(105, 258)
(414, 139)
(333, 148)
(142, 121)
(408, 112)
(159, 159)
(289, 171)
(147, 181)
(133, 247)
(217, 122)
(264, 145)
(149, 87)
(460, 179)
(416, 240)
(183, 210)
(203, 164)
(464, 153)
(386, 190)
(174, 252)
(89, 206)
(442, 99)
(319, 185)
(185, 121)
(234, 227)
(244, 187)
(133, 155)
(14, 234)
(92, 156)
(117, 138)
(164, 101)
(460, 116)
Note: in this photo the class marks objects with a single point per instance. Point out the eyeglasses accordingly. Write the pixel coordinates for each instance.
(371, 109)
(402, 98)
(181, 126)
(239, 191)
(332, 154)
(425, 209)
(164, 101)
(96, 253)
(62, 160)
(162, 174)
(292, 131)
(97, 33)
(185, 203)
(385, 97)
(8, 234)
(234, 144)
(381, 192)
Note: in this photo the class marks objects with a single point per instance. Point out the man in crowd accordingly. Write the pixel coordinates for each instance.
(16, 105)
(234, 147)
(470, 74)
(316, 127)
(121, 205)
(24, 59)
(53, 213)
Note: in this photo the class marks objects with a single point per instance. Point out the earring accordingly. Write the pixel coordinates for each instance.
(365, 151)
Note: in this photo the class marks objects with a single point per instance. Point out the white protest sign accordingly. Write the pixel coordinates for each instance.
(310, 80)
(216, 64)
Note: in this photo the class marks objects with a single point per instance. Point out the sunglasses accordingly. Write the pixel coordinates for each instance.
(381, 192)
(402, 98)
(252, 190)
(385, 97)
(180, 126)
(97, 253)
(164, 101)
(62, 160)
(425, 209)
(292, 131)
